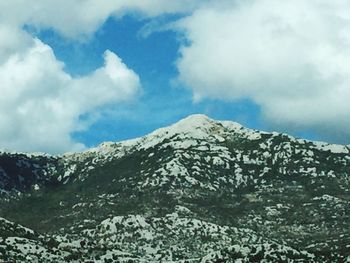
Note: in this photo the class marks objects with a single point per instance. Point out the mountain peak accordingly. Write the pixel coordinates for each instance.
(192, 127)
(199, 190)
(195, 119)
(196, 126)
(191, 123)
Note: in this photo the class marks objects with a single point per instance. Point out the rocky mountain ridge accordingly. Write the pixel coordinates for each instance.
(197, 191)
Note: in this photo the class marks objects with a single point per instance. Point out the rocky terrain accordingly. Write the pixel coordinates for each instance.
(197, 191)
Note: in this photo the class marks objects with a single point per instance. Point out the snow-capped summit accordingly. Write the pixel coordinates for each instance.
(193, 123)
(193, 127)
(197, 126)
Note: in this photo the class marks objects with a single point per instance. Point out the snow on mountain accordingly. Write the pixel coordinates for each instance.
(199, 190)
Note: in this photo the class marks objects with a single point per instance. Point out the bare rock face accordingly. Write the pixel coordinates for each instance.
(197, 191)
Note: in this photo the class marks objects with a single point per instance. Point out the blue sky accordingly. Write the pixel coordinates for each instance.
(152, 57)
(74, 74)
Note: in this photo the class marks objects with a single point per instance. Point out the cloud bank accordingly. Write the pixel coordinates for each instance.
(289, 57)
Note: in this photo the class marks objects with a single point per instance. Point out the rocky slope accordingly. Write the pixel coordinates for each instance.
(197, 191)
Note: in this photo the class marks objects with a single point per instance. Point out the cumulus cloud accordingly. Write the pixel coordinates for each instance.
(290, 57)
(40, 104)
(13, 40)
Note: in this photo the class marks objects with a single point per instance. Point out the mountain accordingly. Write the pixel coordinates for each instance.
(198, 191)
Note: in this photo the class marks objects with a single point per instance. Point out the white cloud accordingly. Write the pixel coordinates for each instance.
(76, 18)
(12, 40)
(40, 104)
(290, 57)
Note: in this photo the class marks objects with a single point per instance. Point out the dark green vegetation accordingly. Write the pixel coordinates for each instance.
(213, 192)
